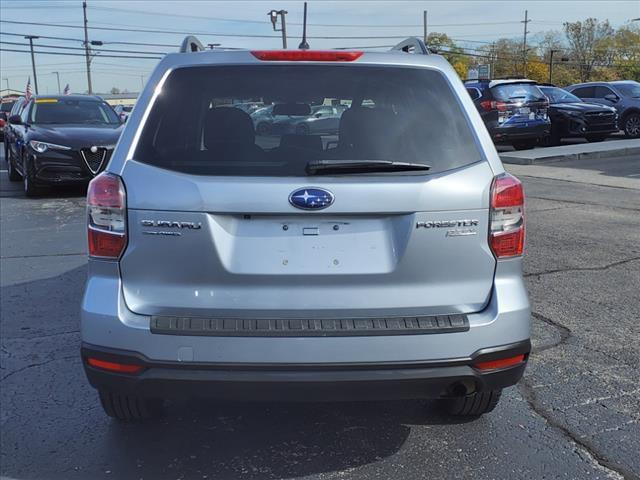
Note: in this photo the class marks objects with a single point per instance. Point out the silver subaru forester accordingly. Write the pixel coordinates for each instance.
(381, 261)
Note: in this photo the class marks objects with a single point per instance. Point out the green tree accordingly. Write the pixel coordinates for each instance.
(442, 44)
(589, 43)
(626, 48)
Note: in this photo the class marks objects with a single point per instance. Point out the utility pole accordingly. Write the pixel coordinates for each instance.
(551, 52)
(273, 15)
(424, 24)
(524, 44)
(58, 76)
(33, 60)
(86, 47)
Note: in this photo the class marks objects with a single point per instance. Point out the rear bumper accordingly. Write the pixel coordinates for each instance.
(519, 133)
(331, 382)
(422, 365)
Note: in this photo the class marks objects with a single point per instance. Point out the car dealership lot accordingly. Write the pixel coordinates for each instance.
(574, 416)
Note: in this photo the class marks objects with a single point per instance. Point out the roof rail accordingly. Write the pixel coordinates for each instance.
(191, 44)
(411, 45)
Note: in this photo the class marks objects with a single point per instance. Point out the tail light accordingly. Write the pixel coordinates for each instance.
(306, 55)
(493, 105)
(114, 366)
(500, 363)
(507, 228)
(106, 217)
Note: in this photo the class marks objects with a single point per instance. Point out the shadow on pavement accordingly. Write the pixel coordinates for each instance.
(70, 436)
(258, 440)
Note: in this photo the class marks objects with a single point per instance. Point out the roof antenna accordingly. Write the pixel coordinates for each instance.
(303, 44)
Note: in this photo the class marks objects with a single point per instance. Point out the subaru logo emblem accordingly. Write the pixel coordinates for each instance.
(311, 198)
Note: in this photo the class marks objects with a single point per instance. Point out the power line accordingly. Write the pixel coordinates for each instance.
(140, 30)
(175, 45)
(237, 35)
(82, 48)
(242, 20)
(2, 49)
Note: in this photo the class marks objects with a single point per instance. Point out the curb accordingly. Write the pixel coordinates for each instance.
(517, 160)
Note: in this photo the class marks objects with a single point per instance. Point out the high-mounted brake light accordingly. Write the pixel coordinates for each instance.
(500, 363)
(306, 55)
(106, 217)
(114, 366)
(507, 228)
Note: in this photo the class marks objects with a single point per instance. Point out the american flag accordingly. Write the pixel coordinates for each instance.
(67, 90)
(27, 91)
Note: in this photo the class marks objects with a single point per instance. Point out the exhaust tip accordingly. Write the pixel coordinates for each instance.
(462, 388)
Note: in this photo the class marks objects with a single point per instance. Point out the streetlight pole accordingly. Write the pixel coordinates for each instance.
(424, 25)
(524, 43)
(58, 77)
(273, 15)
(86, 47)
(33, 60)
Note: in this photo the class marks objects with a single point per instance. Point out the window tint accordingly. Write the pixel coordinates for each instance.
(558, 95)
(24, 114)
(602, 91)
(584, 92)
(517, 92)
(474, 93)
(629, 89)
(398, 114)
(7, 106)
(17, 107)
(54, 110)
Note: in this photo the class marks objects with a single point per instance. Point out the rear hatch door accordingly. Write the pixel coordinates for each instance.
(214, 228)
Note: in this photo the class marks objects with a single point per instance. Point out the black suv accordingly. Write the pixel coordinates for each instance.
(513, 110)
(623, 95)
(571, 117)
(60, 139)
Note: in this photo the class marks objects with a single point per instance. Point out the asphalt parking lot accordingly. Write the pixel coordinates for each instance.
(575, 415)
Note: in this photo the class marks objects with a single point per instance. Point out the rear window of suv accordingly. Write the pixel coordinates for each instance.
(199, 123)
(516, 92)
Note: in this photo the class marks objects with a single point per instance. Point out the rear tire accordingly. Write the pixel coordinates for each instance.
(14, 176)
(551, 140)
(130, 408)
(595, 138)
(473, 405)
(525, 145)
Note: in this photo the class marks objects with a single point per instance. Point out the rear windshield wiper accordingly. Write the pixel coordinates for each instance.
(326, 167)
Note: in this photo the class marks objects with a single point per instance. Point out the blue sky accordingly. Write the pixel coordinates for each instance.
(468, 21)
